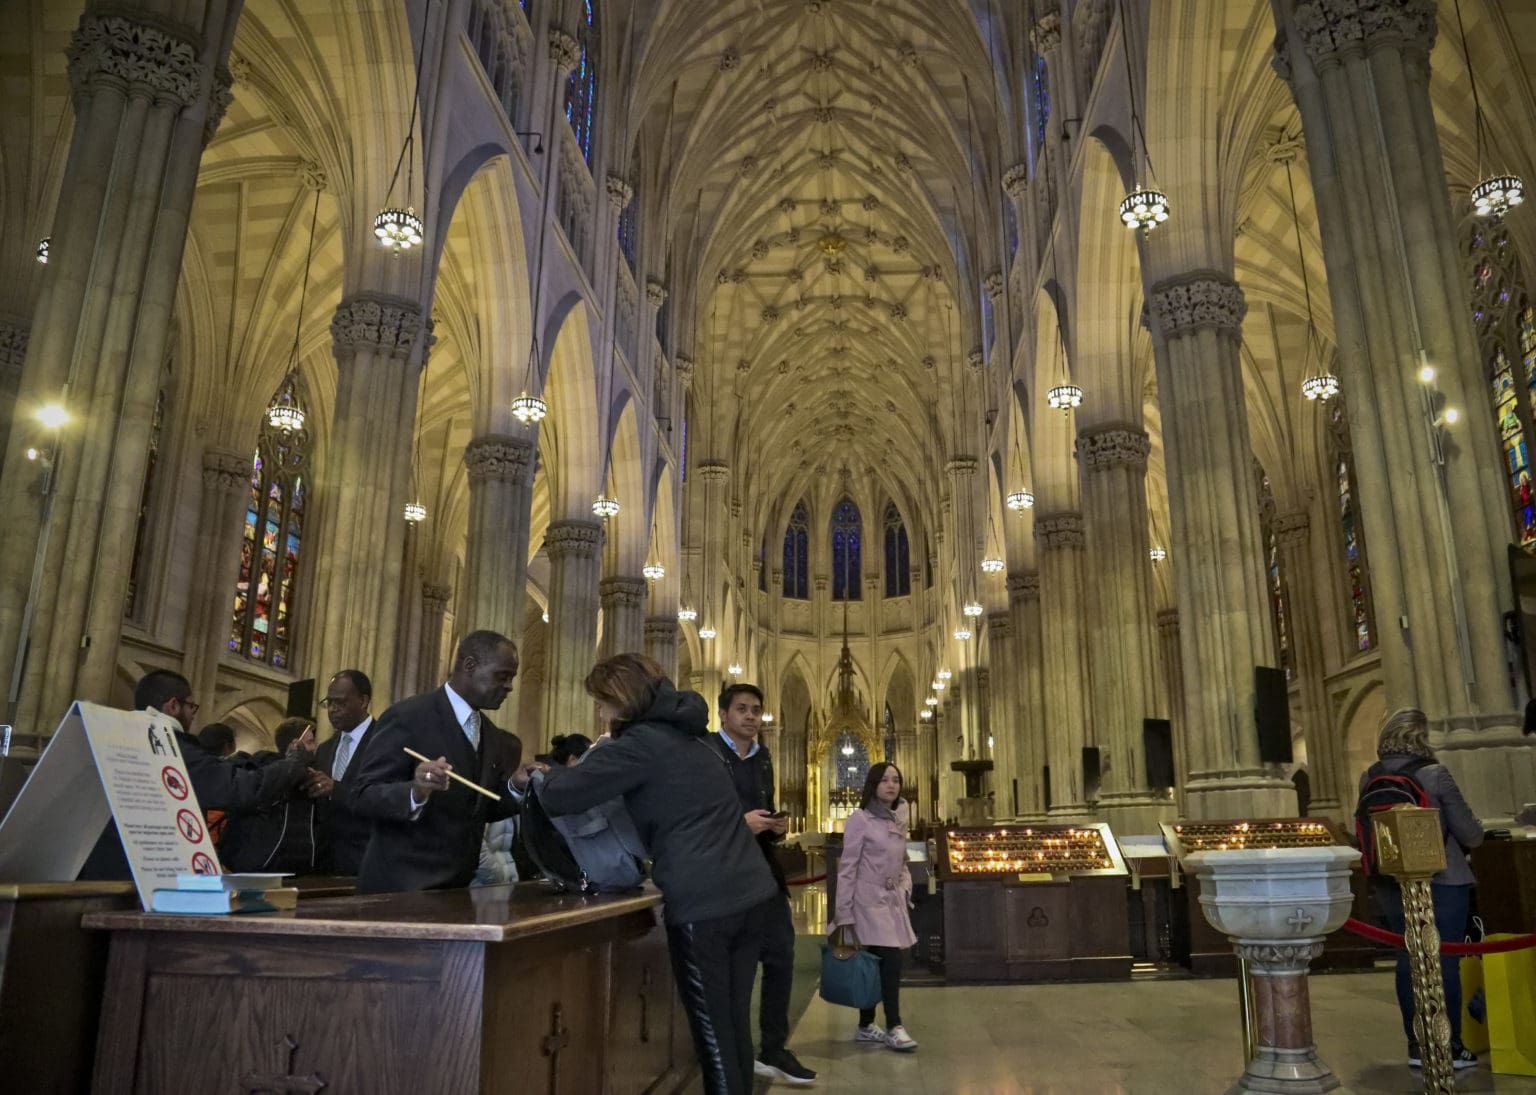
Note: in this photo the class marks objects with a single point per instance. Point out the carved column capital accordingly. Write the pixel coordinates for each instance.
(1333, 29)
(499, 459)
(377, 323)
(1168, 622)
(961, 465)
(14, 335)
(1187, 303)
(1047, 32)
(619, 192)
(435, 598)
(999, 625)
(226, 470)
(219, 97)
(573, 540)
(1016, 182)
(660, 629)
(714, 472)
(1292, 528)
(683, 365)
(1114, 446)
(1023, 587)
(564, 51)
(622, 592)
(138, 57)
(1055, 531)
(992, 284)
(1280, 958)
(656, 295)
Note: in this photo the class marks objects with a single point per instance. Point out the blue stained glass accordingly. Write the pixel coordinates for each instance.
(627, 232)
(1042, 100)
(898, 554)
(581, 85)
(796, 562)
(846, 569)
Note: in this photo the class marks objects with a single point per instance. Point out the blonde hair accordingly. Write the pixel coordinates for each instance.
(628, 683)
(1405, 734)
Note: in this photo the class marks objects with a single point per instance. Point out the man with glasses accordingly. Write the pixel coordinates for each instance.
(220, 785)
(343, 834)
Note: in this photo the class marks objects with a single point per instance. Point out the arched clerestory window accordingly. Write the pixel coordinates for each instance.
(262, 624)
(898, 554)
(581, 85)
(1360, 611)
(797, 542)
(847, 534)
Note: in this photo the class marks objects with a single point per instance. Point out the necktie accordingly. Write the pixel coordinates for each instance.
(472, 729)
(343, 755)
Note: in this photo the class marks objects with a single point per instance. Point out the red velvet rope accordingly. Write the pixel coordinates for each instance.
(805, 881)
(1392, 939)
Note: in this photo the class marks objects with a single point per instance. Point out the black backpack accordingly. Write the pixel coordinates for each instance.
(597, 851)
(1382, 791)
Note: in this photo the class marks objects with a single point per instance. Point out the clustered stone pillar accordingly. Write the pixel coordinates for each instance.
(1003, 694)
(1432, 498)
(661, 642)
(574, 549)
(1065, 678)
(380, 343)
(430, 670)
(1324, 755)
(1121, 647)
(500, 470)
(148, 92)
(1171, 661)
(13, 358)
(1029, 736)
(1222, 588)
(226, 490)
(623, 601)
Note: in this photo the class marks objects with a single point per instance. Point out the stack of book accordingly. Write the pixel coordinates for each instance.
(226, 893)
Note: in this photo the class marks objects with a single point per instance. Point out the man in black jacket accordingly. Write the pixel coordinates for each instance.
(343, 833)
(751, 768)
(427, 829)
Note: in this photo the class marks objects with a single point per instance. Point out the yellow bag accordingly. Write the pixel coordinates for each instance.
(1509, 981)
(1474, 1031)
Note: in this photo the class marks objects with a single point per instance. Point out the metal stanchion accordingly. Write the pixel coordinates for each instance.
(1410, 846)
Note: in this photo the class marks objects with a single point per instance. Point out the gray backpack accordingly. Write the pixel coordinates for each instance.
(596, 851)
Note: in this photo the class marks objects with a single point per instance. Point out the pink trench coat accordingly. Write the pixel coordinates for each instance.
(873, 883)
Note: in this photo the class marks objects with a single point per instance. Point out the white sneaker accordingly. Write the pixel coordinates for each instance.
(899, 1040)
(873, 1033)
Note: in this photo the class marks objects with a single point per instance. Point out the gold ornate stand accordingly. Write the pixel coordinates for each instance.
(1411, 848)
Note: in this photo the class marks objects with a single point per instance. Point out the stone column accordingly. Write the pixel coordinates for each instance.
(431, 669)
(379, 342)
(1059, 537)
(574, 549)
(1003, 693)
(1029, 755)
(623, 601)
(1170, 658)
(500, 470)
(1122, 652)
(962, 478)
(661, 643)
(1433, 497)
(13, 356)
(220, 528)
(1324, 756)
(1213, 500)
(148, 92)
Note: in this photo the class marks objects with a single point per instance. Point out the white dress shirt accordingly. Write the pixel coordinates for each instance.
(355, 742)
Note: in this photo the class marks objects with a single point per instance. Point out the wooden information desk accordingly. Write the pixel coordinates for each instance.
(506, 989)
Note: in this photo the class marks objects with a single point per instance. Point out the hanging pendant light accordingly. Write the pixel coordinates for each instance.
(707, 632)
(925, 714)
(944, 674)
(1496, 194)
(733, 669)
(653, 572)
(1064, 397)
(1322, 385)
(1145, 207)
(529, 409)
(962, 633)
(992, 565)
(931, 701)
(687, 615)
(1158, 554)
(605, 507)
(1020, 500)
(415, 513)
(286, 413)
(43, 246)
(399, 229)
(973, 609)
(938, 686)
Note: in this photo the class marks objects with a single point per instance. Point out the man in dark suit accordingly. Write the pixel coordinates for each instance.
(343, 833)
(427, 829)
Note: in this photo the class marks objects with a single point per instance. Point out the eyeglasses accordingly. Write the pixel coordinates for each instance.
(190, 706)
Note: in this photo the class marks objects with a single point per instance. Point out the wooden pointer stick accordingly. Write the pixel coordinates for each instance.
(471, 784)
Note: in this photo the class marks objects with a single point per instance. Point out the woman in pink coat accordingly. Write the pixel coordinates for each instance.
(874, 891)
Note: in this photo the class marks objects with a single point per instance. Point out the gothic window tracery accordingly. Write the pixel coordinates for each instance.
(1360, 612)
(261, 627)
(898, 554)
(581, 85)
(627, 232)
(847, 534)
(796, 547)
(1506, 330)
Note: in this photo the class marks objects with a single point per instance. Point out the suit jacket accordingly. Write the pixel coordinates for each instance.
(343, 832)
(440, 847)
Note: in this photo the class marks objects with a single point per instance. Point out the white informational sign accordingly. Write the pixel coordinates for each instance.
(100, 763)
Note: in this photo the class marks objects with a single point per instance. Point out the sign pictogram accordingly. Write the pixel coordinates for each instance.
(202, 863)
(191, 827)
(175, 782)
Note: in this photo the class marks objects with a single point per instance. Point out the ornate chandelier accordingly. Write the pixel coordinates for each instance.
(605, 507)
(992, 565)
(1497, 195)
(733, 669)
(687, 615)
(962, 633)
(1144, 208)
(1064, 397)
(1158, 554)
(42, 249)
(972, 609)
(398, 229)
(653, 572)
(1323, 386)
(707, 632)
(529, 409)
(285, 413)
(1020, 500)
(944, 674)
(415, 513)
(931, 701)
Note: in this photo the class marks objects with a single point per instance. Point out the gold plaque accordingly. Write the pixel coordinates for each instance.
(1409, 842)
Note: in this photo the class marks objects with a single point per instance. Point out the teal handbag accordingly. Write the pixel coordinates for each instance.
(850, 975)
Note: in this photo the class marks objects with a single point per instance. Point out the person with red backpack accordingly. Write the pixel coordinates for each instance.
(1407, 774)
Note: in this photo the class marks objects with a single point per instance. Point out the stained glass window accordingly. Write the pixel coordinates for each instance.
(627, 227)
(581, 85)
(1506, 331)
(1361, 613)
(898, 554)
(1278, 596)
(1042, 100)
(852, 761)
(131, 604)
(261, 627)
(796, 548)
(846, 568)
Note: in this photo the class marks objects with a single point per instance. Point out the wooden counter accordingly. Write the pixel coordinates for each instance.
(503, 989)
(51, 977)
(1506, 884)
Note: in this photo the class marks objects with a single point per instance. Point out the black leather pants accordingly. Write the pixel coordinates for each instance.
(714, 963)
